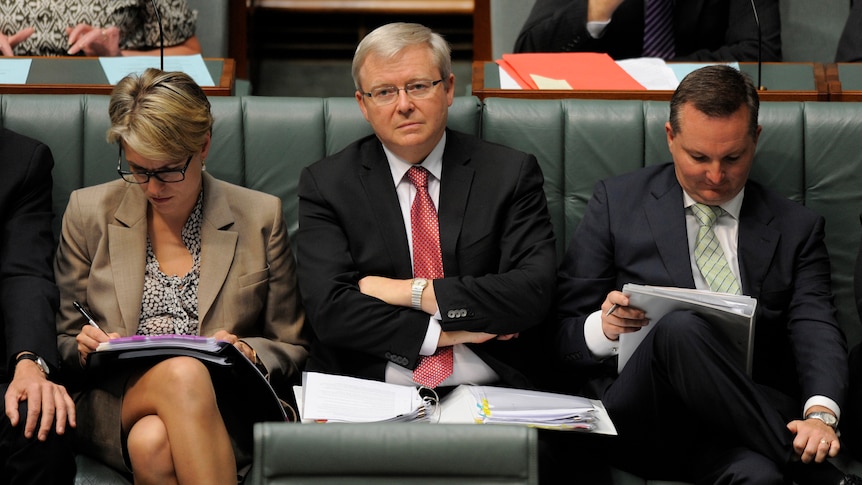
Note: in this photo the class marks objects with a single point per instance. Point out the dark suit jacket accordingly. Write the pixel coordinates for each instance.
(28, 297)
(634, 231)
(850, 43)
(496, 239)
(705, 30)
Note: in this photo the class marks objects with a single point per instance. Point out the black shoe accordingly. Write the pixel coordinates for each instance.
(850, 480)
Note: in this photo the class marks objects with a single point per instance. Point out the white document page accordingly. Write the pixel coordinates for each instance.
(333, 398)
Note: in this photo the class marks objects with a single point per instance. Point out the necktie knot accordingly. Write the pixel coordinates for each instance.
(418, 176)
(706, 214)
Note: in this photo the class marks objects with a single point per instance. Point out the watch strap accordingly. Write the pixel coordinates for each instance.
(35, 358)
(416, 290)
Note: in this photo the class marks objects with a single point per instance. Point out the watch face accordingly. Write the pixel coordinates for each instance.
(825, 417)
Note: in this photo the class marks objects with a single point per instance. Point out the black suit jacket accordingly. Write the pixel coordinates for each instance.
(705, 30)
(850, 43)
(497, 245)
(28, 296)
(634, 232)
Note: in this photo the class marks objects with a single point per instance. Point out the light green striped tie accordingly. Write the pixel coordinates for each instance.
(708, 254)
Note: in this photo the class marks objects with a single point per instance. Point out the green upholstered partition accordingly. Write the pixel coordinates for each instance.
(394, 453)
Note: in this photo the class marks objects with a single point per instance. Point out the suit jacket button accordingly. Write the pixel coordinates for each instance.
(450, 314)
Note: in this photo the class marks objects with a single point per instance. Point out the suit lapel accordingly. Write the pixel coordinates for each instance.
(379, 190)
(757, 241)
(218, 245)
(455, 183)
(127, 246)
(666, 216)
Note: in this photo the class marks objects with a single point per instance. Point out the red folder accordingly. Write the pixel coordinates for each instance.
(582, 70)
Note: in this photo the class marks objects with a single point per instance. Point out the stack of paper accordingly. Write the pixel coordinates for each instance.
(500, 405)
(332, 398)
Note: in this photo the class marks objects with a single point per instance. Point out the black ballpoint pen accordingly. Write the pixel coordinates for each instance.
(86, 314)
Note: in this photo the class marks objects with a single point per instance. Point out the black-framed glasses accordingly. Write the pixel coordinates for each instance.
(384, 95)
(168, 176)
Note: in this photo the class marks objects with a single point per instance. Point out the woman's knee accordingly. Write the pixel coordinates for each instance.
(150, 449)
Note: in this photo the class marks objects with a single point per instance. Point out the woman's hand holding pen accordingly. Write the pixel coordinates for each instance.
(618, 317)
(89, 338)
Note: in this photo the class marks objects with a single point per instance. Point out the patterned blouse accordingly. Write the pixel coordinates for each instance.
(170, 303)
(136, 20)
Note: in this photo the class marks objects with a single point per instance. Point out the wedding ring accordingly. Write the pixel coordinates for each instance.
(104, 34)
(824, 442)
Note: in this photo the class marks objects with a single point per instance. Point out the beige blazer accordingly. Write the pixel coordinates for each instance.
(248, 273)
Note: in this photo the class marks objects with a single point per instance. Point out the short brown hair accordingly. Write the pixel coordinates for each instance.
(716, 91)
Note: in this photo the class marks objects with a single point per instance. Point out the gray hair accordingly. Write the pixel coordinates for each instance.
(388, 40)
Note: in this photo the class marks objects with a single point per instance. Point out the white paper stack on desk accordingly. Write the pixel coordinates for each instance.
(501, 405)
(333, 398)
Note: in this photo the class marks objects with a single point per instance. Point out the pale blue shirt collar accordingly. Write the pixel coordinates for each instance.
(433, 162)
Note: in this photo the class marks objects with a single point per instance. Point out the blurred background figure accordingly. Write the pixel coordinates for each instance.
(850, 43)
(98, 28)
(723, 30)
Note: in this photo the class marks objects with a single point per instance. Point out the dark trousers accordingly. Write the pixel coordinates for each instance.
(685, 411)
(30, 461)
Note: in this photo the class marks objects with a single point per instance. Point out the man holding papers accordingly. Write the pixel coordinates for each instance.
(718, 30)
(683, 408)
(423, 252)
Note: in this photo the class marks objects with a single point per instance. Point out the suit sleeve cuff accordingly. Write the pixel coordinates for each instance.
(825, 402)
(597, 28)
(432, 337)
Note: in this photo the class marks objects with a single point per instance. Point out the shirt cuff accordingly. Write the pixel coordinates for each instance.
(597, 28)
(599, 345)
(825, 402)
(432, 337)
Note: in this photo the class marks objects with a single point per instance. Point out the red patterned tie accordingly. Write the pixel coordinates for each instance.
(427, 263)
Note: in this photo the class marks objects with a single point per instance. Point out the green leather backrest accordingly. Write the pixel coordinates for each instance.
(807, 151)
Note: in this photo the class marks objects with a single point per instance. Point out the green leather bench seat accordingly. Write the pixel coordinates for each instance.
(808, 152)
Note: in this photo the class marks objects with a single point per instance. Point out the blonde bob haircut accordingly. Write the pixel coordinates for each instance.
(163, 116)
(389, 40)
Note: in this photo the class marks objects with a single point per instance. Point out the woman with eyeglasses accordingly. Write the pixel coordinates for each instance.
(169, 249)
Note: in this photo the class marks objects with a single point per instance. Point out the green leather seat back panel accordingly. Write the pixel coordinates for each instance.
(278, 145)
(226, 160)
(534, 127)
(601, 140)
(833, 160)
(57, 121)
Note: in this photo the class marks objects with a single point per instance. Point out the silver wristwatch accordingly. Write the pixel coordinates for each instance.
(827, 418)
(418, 287)
(35, 358)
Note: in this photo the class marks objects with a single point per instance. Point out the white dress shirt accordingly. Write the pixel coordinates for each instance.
(468, 368)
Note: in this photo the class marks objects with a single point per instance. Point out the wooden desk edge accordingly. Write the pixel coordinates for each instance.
(820, 93)
(225, 85)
